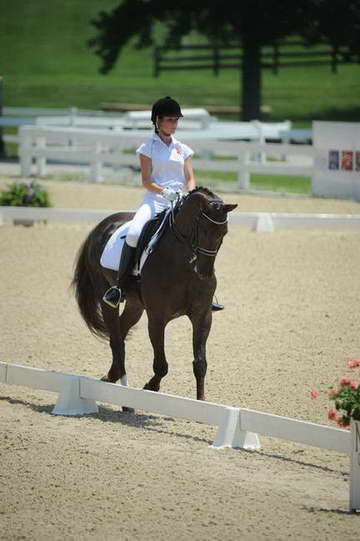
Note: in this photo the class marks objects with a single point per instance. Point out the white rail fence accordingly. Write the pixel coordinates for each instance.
(98, 148)
(257, 221)
(194, 118)
(237, 427)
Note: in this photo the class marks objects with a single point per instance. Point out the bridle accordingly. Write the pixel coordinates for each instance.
(195, 238)
(194, 242)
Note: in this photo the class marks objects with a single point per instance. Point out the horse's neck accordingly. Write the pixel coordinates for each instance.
(184, 224)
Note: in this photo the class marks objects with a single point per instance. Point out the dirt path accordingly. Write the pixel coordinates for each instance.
(291, 323)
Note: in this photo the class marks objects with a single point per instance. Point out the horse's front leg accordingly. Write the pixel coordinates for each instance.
(160, 366)
(201, 328)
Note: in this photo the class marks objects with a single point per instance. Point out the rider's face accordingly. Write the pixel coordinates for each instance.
(167, 124)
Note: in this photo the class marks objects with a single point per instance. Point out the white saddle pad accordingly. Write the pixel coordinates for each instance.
(110, 258)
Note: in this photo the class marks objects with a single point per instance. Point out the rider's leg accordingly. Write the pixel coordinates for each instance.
(113, 295)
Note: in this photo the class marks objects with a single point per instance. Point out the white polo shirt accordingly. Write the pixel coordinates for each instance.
(167, 161)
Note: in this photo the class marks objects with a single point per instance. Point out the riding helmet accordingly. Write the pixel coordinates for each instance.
(165, 107)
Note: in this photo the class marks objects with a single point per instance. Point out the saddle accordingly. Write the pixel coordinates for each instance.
(152, 233)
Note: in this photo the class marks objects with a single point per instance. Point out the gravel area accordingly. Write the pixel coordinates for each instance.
(290, 325)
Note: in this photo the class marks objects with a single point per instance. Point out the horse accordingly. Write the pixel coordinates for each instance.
(177, 279)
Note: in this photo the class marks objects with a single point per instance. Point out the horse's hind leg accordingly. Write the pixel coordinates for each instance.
(118, 328)
(160, 366)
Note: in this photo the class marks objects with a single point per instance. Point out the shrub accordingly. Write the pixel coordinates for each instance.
(24, 195)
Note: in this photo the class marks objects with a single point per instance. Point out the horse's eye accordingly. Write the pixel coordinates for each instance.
(215, 205)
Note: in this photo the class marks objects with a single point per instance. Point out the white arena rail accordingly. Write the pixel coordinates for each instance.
(98, 147)
(237, 427)
(78, 396)
(257, 221)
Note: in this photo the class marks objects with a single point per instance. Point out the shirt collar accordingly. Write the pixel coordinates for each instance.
(155, 137)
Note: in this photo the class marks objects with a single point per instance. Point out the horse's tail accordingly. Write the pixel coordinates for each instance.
(86, 293)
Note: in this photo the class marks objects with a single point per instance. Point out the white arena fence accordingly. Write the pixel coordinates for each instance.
(98, 148)
(237, 427)
(194, 118)
(256, 221)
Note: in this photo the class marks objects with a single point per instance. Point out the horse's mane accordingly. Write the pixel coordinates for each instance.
(203, 190)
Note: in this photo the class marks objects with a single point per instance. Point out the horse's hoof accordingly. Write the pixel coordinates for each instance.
(148, 387)
(125, 409)
(108, 380)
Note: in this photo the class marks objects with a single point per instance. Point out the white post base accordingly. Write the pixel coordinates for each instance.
(230, 435)
(264, 223)
(355, 466)
(69, 401)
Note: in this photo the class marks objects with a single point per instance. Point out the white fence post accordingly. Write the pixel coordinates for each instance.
(260, 156)
(229, 433)
(96, 165)
(73, 115)
(41, 160)
(243, 173)
(24, 151)
(69, 401)
(355, 466)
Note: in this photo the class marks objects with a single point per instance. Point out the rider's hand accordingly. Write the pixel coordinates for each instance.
(169, 194)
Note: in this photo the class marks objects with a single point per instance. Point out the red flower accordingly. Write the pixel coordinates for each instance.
(332, 414)
(314, 394)
(353, 364)
(345, 382)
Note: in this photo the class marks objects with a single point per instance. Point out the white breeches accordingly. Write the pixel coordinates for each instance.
(148, 209)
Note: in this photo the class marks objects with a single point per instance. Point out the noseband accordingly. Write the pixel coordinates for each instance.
(195, 243)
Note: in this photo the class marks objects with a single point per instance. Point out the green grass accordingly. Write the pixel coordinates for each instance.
(300, 185)
(266, 183)
(45, 62)
(48, 64)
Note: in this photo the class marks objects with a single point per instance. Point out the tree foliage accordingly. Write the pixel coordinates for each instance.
(251, 23)
(257, 21)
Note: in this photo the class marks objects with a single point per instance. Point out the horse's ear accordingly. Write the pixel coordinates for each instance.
(229, 207)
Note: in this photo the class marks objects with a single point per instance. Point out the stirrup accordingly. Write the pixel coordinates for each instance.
(216, 307)
(112, 296)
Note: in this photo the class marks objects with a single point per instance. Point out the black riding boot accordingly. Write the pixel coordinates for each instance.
(112, 296)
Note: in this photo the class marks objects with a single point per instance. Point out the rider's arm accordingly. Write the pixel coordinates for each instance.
(189, 174)
(146, 169)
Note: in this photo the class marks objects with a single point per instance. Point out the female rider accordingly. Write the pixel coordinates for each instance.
(166, 169)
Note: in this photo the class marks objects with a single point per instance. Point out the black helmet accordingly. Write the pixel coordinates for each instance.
(165, 107)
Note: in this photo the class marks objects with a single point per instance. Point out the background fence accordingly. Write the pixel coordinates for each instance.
(216, 150)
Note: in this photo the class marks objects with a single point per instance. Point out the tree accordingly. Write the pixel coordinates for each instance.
(2, 144)
(253, 23)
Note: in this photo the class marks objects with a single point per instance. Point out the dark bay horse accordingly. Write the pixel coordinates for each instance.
(177, 279)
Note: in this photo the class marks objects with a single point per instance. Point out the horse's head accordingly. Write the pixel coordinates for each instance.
(202, 221)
